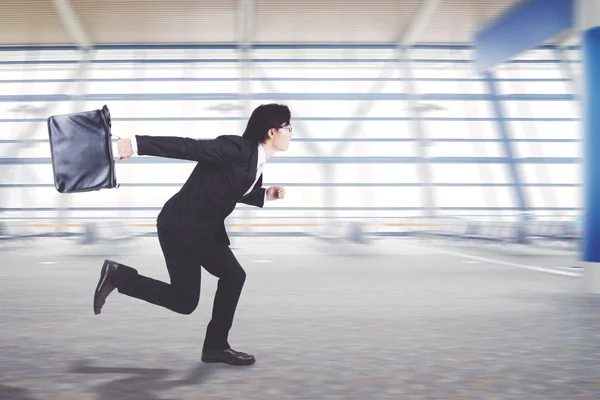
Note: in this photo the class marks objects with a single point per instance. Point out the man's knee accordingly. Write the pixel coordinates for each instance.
(239, 276)
(188, 305)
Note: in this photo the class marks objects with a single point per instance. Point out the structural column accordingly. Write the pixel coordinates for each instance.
(245, 38)
(590, 47)
(505, 136)
(416, 130)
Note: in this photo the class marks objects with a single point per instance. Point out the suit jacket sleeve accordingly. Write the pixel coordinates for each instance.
(256, 197)
(211, 151)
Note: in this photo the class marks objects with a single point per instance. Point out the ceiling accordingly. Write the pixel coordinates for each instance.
(36, 22)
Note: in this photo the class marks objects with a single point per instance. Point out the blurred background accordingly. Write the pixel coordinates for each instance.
(430, 242)
(396, 132)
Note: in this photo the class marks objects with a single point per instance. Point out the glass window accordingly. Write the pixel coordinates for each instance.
(328, 100)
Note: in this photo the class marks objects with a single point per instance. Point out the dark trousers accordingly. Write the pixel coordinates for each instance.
(183, 293)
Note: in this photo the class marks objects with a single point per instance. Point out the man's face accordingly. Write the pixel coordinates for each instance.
(281, 139)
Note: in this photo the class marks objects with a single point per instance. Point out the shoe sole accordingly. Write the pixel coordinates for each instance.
(236, 363)
(101, 281)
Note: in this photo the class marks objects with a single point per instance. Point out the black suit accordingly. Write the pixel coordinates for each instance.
(191, 228)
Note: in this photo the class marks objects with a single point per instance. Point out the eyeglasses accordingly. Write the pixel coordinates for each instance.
(289, 128)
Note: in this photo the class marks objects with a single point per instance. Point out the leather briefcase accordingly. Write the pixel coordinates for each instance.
(81, 149)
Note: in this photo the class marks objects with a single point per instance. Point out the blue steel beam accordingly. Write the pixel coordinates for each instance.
(520, 28)
(503, 132)
(109, 209)
(338, 160)
(274, 79)
(320, 184)
(316, 119)
(567, 70)
(369, 140)
(237, 217)
(257, 46)
(281, 96)
(272, 61)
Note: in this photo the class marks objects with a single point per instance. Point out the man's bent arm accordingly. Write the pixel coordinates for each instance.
(256, 198)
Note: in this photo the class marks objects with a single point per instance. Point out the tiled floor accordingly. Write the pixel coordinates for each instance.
(399, 320)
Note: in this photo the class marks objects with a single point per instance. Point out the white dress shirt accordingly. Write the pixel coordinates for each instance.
(260, 164)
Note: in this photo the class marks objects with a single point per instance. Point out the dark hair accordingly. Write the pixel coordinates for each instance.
(264, 118)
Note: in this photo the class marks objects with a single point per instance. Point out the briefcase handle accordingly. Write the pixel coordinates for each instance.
(106, 113)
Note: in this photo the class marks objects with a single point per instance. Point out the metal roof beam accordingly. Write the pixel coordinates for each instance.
(72, 24)
(415, 28)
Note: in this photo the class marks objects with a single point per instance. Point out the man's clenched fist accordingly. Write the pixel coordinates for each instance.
(275, 192)
(125, 149)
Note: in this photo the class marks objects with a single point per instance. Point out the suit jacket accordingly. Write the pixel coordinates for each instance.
(225, 170)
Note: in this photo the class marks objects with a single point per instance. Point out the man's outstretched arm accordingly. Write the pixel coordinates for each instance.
(213, 151)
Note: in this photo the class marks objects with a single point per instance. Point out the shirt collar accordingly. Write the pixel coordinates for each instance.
(262, 157)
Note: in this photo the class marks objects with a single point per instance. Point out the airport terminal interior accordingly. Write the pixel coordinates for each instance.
(431, 241)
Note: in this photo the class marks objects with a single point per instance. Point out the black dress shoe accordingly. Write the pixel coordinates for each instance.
(105, 285)
(227, 356)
